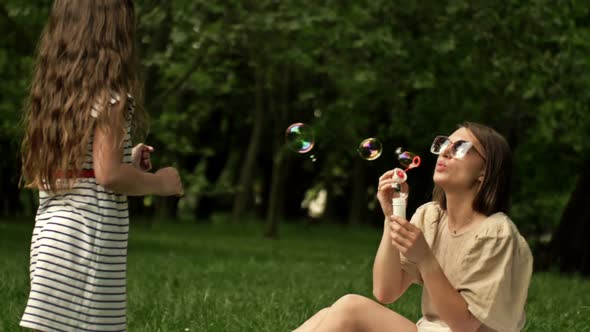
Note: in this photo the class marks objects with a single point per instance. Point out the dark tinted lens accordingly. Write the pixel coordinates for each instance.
(439, 144)
(460, 149)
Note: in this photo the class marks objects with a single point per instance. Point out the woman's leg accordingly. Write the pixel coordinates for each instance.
(355, 313)
(313, 322)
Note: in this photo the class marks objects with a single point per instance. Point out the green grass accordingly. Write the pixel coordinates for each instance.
(228, 278)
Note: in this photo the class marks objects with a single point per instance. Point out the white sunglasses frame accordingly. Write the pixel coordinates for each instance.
(454, 151)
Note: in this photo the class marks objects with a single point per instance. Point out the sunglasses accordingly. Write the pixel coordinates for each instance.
(457, 149)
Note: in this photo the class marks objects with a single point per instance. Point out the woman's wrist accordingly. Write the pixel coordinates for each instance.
(427, 264)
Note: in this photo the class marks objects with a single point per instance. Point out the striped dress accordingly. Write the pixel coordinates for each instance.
(79, 256)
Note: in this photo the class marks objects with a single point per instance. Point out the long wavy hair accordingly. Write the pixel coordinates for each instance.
(86, 52)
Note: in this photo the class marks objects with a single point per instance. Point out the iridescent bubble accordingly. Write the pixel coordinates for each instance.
(409, 160)
(370, 149)
(300, 137)
(398, 151)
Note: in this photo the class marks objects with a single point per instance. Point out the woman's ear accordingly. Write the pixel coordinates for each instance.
(481, 175)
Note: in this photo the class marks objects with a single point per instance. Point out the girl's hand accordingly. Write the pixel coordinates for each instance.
(410, 241)
(170, 183)
(385, 192)
(140, 155)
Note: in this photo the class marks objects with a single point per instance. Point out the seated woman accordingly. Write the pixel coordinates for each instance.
(474, 266)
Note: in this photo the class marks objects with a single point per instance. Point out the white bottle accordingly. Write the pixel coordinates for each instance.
(399, 207)
(399, 203)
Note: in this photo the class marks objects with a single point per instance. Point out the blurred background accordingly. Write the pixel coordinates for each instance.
(224, 80)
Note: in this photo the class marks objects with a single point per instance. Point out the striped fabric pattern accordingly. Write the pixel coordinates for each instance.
(79, 257)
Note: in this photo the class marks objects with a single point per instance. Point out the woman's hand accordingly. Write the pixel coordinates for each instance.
(140, 155)
(385, 192)
(410, 241)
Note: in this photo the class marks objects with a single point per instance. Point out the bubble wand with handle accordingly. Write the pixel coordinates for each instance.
(408, 160)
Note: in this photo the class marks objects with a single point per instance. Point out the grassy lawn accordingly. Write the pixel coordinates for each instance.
(228, 278)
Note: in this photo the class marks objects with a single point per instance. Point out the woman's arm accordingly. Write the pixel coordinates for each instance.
(450, 305)
(389, 280)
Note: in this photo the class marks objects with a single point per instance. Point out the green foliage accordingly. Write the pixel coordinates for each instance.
(401, 72)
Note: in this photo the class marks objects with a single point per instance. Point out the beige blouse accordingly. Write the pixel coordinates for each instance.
(490, 265)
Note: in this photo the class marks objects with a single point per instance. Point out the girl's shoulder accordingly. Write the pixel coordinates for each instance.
(112, 99)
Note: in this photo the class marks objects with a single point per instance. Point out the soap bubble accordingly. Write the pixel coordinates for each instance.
(370, 149)
(300, 137)
(409, 160)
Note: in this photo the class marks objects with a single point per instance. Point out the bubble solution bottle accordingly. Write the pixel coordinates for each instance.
(399, 203)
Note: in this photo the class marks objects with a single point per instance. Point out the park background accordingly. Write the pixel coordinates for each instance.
(223, 81)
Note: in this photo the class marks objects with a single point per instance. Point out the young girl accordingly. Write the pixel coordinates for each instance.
(473, 264)
(77, 152)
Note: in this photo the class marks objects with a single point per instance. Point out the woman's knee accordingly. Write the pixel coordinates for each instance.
(347, 311)
(351, 303)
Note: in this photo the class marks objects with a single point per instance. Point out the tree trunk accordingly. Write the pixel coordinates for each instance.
(153, 73)
(277, 194)
(221, 200)
(244, 189)
(24, 41)
(358, 203)
(9, 183)
(277, 191)
(569, 246)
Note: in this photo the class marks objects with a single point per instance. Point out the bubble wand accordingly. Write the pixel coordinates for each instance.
(409, 160)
